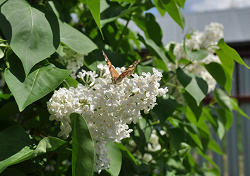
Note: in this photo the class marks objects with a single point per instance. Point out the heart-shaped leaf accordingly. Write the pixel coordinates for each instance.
(32, 33)
(36, 85)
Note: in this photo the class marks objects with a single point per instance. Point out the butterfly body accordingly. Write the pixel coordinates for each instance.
(115, 77)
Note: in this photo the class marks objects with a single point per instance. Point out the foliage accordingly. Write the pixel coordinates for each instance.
(40, 39)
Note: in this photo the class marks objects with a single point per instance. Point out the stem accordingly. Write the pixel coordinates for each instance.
(125, 27)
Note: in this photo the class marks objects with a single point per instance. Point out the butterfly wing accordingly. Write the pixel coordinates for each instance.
(113, 72)
(129, 71)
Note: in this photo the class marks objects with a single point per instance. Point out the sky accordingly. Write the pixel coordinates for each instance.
(209, 5)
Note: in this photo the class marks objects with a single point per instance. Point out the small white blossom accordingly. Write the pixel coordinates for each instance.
(198, 40)
(107, 108)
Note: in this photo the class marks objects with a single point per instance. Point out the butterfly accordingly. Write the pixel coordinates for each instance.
(115, 77)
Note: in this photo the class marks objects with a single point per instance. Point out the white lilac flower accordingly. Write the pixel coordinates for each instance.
(107, 108)
(198, 40)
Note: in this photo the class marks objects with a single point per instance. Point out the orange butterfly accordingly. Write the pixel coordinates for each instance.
(116, 78)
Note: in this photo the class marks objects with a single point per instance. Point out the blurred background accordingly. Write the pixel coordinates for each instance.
(234, 15)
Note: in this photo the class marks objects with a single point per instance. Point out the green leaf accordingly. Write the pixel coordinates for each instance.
(71, 82)
(116, 159)
(5, 96)
(1, 53)
(16, 146)
(226, 117)
(94, 7)
(223, 99)
(113, 10)
(8, 109)
(76, 40)
(193, 132)
(196, 109)
(177, 136)
(38, 84)
(32, 33)
(146, 128)
(220, 75)
(214, 146)
(48, 144)
(154, 49)
(164, 108)
(236, 107)
(83, 153)
(194, 55)
(150, 27)
(194, 85)
(174, 11)
(128, 154)
(228, 54)
(181, 3)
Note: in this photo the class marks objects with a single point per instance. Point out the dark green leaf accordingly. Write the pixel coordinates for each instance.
(196, 109)
(223, 99)
(38, 84)
(112, 11)
(76, 40)
(33, 33)
(150, 27)
(83, 153)
(154, 49)
(226, 118)
(177, 136)
(193, 132)
(220, 75)
(128, 154)
(12, 172)
(16, 146)
(164, 108)
(116, 159)
(194, 85)
(8, 109)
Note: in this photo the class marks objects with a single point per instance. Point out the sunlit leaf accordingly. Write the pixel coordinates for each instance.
(194, 85)
(116, 159)
(38, 84)
(33, 33)
(227, 55)
(76, 40)
(223, 99)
